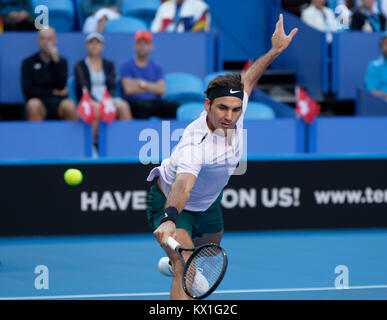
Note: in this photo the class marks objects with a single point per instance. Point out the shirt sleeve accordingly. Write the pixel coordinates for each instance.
(125, 71)
(372, 77)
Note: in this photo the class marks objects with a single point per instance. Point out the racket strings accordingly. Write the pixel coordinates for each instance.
(204, 270)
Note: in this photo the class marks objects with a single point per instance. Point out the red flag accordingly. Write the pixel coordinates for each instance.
(85, 108)
(107, 108)
(306, 107)
(247, 65)
(1, 24)
(164, 24)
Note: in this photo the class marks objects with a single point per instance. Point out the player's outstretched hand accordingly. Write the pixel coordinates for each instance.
(280, 40)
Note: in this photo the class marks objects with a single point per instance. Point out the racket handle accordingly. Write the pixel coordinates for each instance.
(172, 243)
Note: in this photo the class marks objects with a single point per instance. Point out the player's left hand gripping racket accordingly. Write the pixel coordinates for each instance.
(204, 269)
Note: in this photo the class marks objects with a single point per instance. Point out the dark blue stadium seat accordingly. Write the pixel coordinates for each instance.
(258, 111)
(184, 87)
(144, 9)
(189, 111)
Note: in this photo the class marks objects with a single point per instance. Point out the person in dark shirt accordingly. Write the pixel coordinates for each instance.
(368, 20)
(44, 78)
(17, 14)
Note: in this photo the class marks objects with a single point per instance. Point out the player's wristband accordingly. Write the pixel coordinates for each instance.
(171, 214)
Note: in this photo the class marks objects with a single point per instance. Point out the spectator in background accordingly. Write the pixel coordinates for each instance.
(97, 74)
(44, 78)
(376, 77)
(97, 21)
(318, 16)
(98, 12)
(17, 15)
(143, 82)
(368, 18)
(182, 16)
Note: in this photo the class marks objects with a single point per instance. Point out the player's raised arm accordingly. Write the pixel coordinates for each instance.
(177, 198)
(279, 42)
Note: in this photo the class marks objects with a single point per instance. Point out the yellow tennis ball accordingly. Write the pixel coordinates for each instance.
(73, 177)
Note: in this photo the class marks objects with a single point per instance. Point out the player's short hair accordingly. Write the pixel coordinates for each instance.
(227, 80)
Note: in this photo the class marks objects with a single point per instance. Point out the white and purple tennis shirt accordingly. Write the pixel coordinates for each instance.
(210, 157)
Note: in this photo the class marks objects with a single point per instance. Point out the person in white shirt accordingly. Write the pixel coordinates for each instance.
(97, 21)
(184, 202)
(318, 16)
(182, 16)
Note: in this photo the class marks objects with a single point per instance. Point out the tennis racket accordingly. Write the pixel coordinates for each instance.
(204, 269)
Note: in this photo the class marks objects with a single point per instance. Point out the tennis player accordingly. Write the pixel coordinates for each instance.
(184, 202)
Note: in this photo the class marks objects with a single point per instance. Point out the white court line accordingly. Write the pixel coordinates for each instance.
(150, 294)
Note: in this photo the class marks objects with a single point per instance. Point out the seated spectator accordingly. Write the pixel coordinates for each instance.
(97, 21)
(367, 18)
(97, 74)
(44, 78)
(143, 82)
(17, 15)
(182, 16)
(318, 16)
(376, 77)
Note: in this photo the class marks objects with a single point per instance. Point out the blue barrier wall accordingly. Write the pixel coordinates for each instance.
(45, 140)
(368, 104)
(351, 54)
(126, 139)
(348, 135)
(265, 137)
(192, 52)
(307, 55)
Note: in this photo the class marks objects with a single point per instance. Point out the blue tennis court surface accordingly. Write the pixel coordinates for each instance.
(262, 265)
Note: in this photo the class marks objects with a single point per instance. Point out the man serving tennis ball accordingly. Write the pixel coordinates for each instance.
(184, 203)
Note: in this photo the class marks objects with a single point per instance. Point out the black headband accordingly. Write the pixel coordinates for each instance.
(217, 92)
